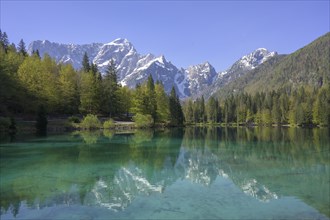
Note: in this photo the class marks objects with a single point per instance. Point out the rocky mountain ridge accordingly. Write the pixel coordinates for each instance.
(134, 68)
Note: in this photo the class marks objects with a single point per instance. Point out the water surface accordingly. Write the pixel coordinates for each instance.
(195, 173)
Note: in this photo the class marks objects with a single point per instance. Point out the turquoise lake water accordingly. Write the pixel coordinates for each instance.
(191, 173)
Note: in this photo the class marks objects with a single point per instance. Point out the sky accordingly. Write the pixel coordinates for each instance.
(186, 32)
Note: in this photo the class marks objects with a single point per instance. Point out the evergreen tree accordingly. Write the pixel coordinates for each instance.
(284, 107)
(218, 111)
(151, 98)
(21, 48)
(196, 110)
(212, 110)
(4, 42)
(276, 111)
(189, 111)
(85, 63)
(322, 108)
(36, 53)
(125, 99)
(94, 69)
(176, 114)
(162, 101)
(138, 102)
(110, 90)
(230, 110)
(89, 93)
(202, 116)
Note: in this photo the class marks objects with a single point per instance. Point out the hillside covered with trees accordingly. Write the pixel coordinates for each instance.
(308, 67)
(287, 89)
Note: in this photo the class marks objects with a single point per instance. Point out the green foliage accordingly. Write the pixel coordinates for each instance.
(176, 113)
(40, 77)
(21, 48)
(68, 90)
(150, 99)
(125, 99)
(90, 93)
(321, 109)
(143, 121)
(302, 107)
(109, 124)
(74, 119)
(4, 42)
(90, 121)
(110, 91)
(213, 110)
(189, 111)
(85, 63)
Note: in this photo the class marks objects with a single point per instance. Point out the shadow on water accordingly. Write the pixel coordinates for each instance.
(111, 170)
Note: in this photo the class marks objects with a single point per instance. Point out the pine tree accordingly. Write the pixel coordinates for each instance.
(4, 42)
(36, 53)
(110, 90)
(189, 111)
(138, 101)
(211, 110)
(93, 68)
(125, 100)
(162, 101)
(89, 93)
(284, 107)
(176, 114)
(85, 63)
(218, 111)
(321, 108)
(21, 48)
(151, 98)
(202, 116)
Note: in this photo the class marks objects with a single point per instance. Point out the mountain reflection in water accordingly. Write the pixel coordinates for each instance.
(190, 173)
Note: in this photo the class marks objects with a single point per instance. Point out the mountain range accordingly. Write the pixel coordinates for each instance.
(134, 68)
(308, 66)
(261, 70)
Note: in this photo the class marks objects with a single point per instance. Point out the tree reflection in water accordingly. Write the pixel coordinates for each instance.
(111, 170)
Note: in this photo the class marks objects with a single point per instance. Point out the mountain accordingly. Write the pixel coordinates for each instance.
(238, 69)
(199, 77)
(134, 68)
(65, 53)
(307, 66)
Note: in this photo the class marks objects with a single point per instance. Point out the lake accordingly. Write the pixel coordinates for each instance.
(191, 173)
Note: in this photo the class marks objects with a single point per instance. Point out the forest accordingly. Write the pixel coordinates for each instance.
(30, 83)
(305, 106)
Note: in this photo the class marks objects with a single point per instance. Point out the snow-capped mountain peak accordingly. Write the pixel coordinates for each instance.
(238, 69)
(255, 58)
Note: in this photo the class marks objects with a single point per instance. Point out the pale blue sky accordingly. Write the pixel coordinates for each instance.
(186, 32)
